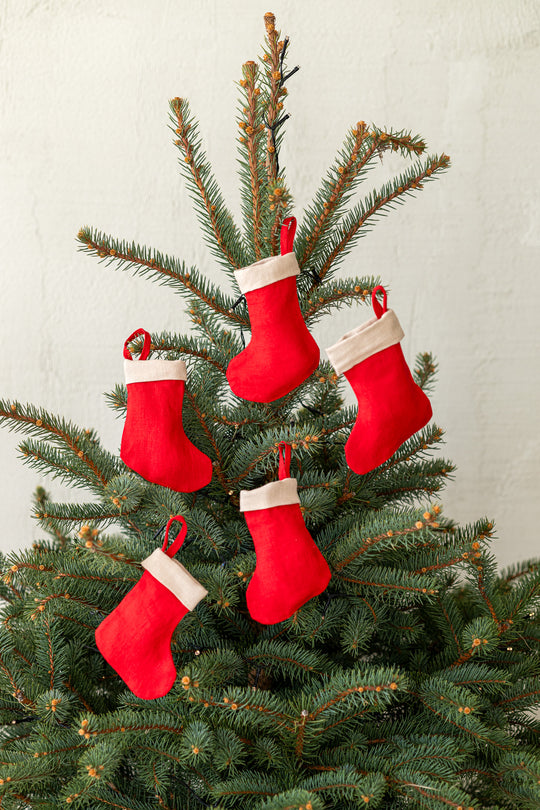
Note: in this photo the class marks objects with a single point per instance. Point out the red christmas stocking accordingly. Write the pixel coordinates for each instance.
(135, 638)
(290, 568)
(391, 406)
(153, 442)
(281, 353)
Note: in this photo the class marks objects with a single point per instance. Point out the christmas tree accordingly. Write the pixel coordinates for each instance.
(406, 681)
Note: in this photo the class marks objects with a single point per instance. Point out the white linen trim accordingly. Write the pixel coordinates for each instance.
(267, 271)
(369, 338)
(153, 370)
(173, 576)
(277, 493)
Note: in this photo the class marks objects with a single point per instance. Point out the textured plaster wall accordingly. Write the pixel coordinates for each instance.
(84, 140)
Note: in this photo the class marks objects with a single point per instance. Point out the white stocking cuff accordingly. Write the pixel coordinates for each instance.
(154, 370)
(277, 493)
(369, 338)
(173, 576)
(267, 271)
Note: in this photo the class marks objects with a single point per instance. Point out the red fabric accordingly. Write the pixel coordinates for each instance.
(135, 639)
(284, 460)
(286, 236)
(281, 353)
(177, 543)
(154, 443)
(379, 309)
(145, 351)
(391, 407)
(290, 568)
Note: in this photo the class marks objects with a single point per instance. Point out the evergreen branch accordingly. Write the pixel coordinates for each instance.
(95, 545)
(439, 566)
(39, 422)
(274, 78)
(6, 579)
(63, 750)
(222, 234)
(352, 225)
(168, 270)
(224, 420)
(111, 581)
(480, 676)
(110, 803)
(465, 656)
(292, 400)
(247, 784)
(42, 603)
(218, 464)
(477, 731)
(345, 292)
(164, 754)
(369, 542)
(217, 353)
(484, 594)
(117, 399)
(425, 371)
(355, 158)
(45, 458)
(294, 799)
(347, 784)
(208, 325)
(388, 581)
(253, 182)
(518, 570)
(257, 453)
(352, 159)
(15, 651)
(420, 791)
(471, 535)
(280, 202)
(347, 492)
(17, 691)
(416, 445)
(518, 695)
(40, 497)
(354, 691)
(243, 705)
(528, 596)
(47, 626)
(272, 101)
(67, 684)
(21, 797)
(275, 230)
(290, 659)
(127, 723)
(33, 776)
(80, 624)
(263, 454)
(426, 477)
(340, 426)
(81, 512)
(322, 398)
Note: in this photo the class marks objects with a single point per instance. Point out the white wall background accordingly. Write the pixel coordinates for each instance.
(84, 87)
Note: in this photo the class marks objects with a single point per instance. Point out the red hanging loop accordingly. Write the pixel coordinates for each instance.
(284, 460)
(288, 230)
(181, 536)
(146, 345)
(379, 309)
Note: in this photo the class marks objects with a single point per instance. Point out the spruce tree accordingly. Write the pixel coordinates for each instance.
(409, 683)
